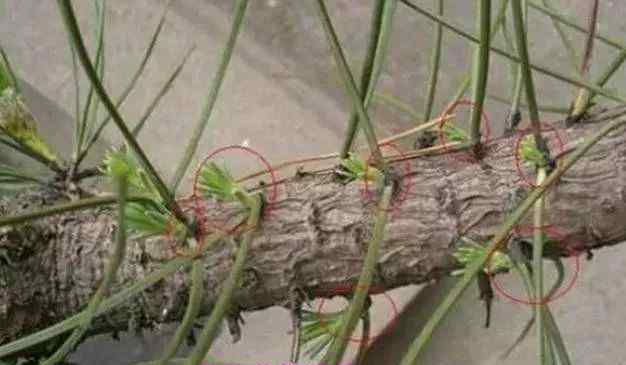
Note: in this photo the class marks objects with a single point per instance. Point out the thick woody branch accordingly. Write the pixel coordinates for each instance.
(314, 237)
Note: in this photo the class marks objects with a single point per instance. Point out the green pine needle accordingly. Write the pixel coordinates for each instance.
(11, 178)
(7, 76)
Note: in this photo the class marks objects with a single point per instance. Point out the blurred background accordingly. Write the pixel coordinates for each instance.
(283, 97)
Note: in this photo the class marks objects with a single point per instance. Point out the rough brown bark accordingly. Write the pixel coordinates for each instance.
(315, 237)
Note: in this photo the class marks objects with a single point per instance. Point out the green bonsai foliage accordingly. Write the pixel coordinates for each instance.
(530, 154)
(454, 134)
(499, 260)
(354, 168)
(472, 251)
(17, 123)
(5, 79)
(149, 218)
(218, 182)
(159, 214)
(319, 330)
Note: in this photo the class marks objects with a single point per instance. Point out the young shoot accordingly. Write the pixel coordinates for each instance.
(530, 154)
(354, 168)
(319, 330)
(471, 251)
(217, 182)
(454, 134)
(150, 218)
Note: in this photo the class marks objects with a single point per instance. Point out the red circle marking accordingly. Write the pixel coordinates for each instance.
(464, 156)
(345, 289)
(575, 254)
(267, 210)
(368, 195)
(545, 127)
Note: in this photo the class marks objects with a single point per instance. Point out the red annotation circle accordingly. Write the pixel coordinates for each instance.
(368, 195)
(348, 289)
(223, 224)
(464, 156)
(555, 234)
(198, 207)
(556, 141)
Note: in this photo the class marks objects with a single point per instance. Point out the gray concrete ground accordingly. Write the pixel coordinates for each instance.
(283, 97)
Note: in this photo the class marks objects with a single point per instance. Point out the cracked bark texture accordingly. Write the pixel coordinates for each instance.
(314, 238)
